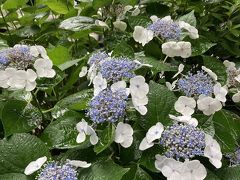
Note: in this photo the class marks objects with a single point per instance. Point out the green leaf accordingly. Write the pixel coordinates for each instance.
(58, 55)
(14, 176)
(69, 64)
(18, 151)
(106, 138)
(189, 18)
(211, 176)
(3, 44)
(138, 21)
(208, 126)
(59, 6)
(98, 4)
(19, 116)
(136, 173)
(217, 67)
(157, 66)
(123, 50)
(160, 104)
(148, 158)
(201, 46)
(77, 23)
(62, 133)
(227, 129)
(13, 4)
(229, 173)
(128, 2)
(77, 101)
(28, 31)
(157, 9)
(103, 170)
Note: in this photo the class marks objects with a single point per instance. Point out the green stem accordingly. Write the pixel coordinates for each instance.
(165, 59)
(48, 110)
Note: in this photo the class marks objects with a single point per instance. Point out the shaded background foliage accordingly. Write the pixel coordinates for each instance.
(60, 103)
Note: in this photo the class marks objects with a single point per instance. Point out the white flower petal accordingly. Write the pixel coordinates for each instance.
(185, 119)
(128, 142)
(83, 72)
(76, 163)
(236, 97)
(139, 101)
(35, 165)
(99, 84)
(101, 23)
(81, 137)
(94, 139)
(120, 85)
(30, 86)
(154, 18)
(122, 26)
(141, 109)
(210, 72)
(145, 145)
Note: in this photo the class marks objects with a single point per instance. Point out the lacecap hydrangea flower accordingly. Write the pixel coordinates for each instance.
(172, 32)
(52, 170)
(181, 143)
(16, 67)
(166, 29)
(201, 87)
(106, 71)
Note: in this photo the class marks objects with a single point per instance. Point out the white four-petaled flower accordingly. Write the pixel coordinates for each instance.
(180, 48)
(187, 170)
(185, 105)
(213, 151)
(142, 35)
(208, 105)
(84, 129)
(220, 92)
(44, 68)
(99, 84)
(154, 133)
(124, 135)
(139, 90)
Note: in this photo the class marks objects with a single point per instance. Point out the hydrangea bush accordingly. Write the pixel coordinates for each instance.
(119, 90)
